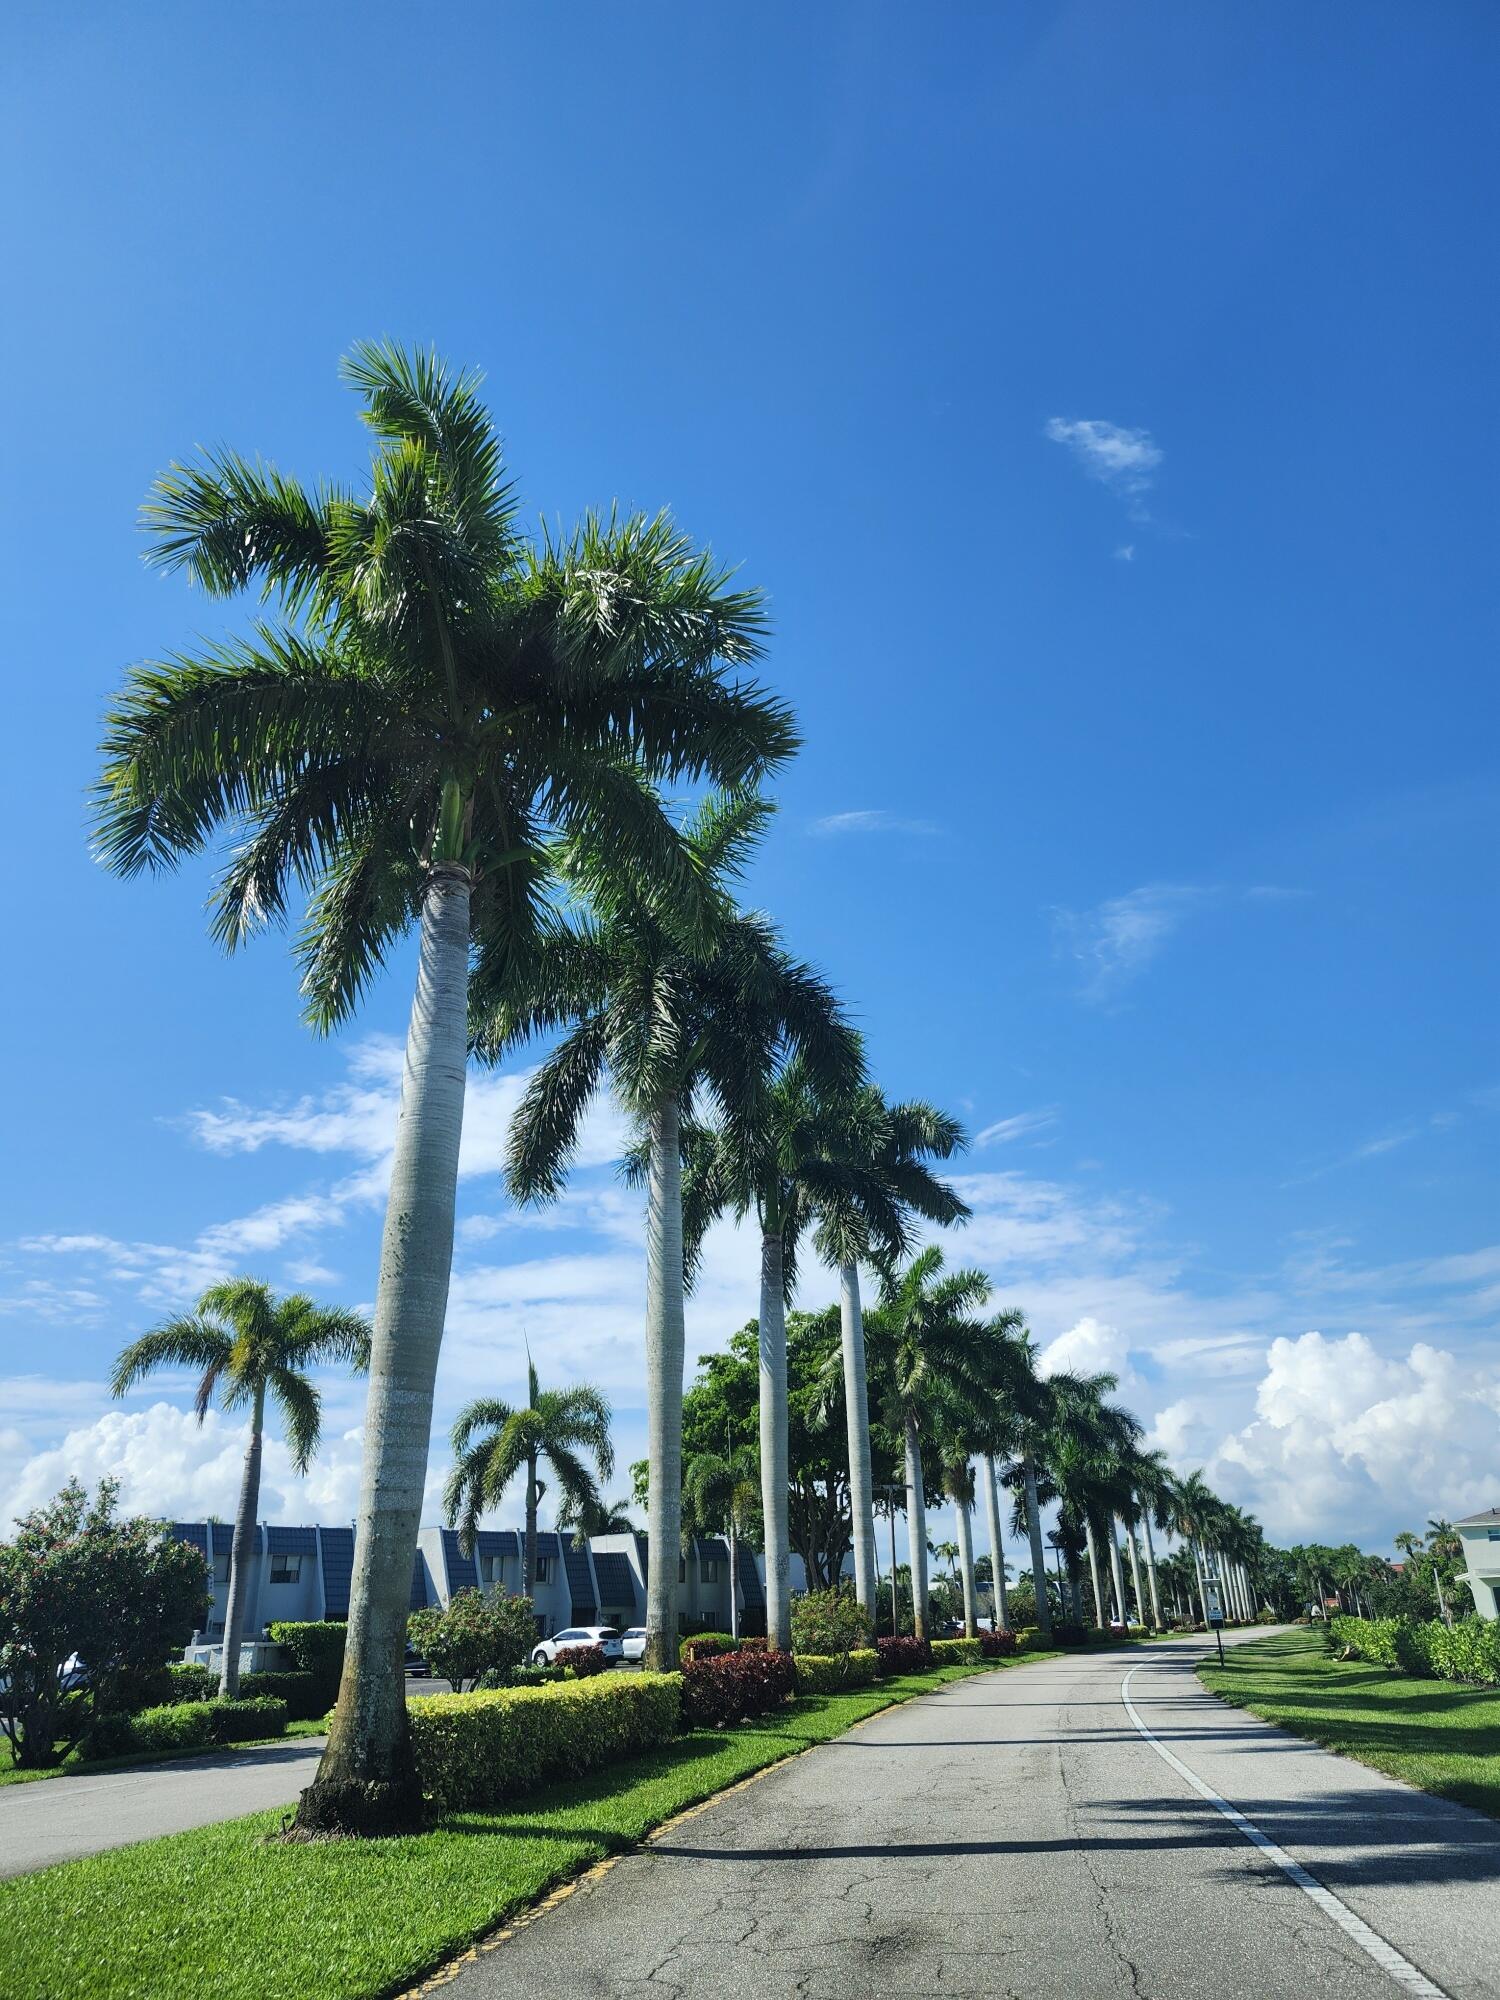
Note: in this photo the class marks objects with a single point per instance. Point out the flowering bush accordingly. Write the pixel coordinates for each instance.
(1002, 1645)
(479, 1632)
(585, 1661)
(829, 1623)
(731, 1686)
(904, 1656)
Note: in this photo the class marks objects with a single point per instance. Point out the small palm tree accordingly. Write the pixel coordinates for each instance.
(442, 697)
(251, 1346)
(721, 1494)
(493, 1445)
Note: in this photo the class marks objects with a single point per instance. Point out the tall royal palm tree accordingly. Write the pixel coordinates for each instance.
(495, 1444)
(927, 1348)
(674, 1014)
(865, 1218)
(1195, 1511)
(721, 1496)
(441, 695)
(251, 1347)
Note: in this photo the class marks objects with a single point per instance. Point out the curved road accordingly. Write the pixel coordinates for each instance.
(1018, 1835)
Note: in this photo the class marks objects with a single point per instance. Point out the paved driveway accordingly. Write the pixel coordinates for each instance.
(1018, 1835)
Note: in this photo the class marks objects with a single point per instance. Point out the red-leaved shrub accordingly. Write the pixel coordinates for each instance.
(999, 1645)
(584, 1660)
(904, 1656)
(730, 1686)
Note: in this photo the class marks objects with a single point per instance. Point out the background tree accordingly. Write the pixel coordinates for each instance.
(721, 1496)
(249, 1346)
(494, 1445)
(441, 696)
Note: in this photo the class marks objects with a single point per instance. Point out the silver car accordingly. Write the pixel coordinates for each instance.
(605, 1637)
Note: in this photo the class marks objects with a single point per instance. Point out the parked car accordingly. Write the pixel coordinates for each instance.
(633, 1643)
(605, 1637)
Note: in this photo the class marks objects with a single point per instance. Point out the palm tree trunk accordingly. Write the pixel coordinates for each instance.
(997, 1547)
(664, 1360)
(773, 1438)
(1151, 1572)
(857, 1419)
(1101, 1618)
(241, 1553)
(366, 1782)
(1117, 1570)
(1201, 1564)
(528, 1540)
(966, 1568)
(1038, 1553)
(916, 1526)
(734, 1581)
(1135, 1571)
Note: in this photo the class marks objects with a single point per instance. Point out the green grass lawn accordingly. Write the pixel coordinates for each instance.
(74, 1766)
(225, 1911)
(1440, 1735)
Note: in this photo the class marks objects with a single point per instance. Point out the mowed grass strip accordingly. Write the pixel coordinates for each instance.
(1440, 1735)
(225, 1910)
(74, 1766)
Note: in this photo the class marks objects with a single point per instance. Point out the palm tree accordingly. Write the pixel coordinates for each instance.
(671, 1012)
(590, 1515)
(1152, 1485)
(926, 1346)
(493, 1445)
(251, 1345)
(1194, 1512)
(865, 1219)
(441, 694)
(721, 1494)
(1443, 1545)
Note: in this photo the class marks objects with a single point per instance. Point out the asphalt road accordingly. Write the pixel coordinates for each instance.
(58, 1819)
(1017, 1835)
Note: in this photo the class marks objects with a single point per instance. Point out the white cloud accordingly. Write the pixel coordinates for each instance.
(1021, 1125)
(1124, 460)
(1091, 1347)
(871, 820)
(1119, 937)
(1125, 552)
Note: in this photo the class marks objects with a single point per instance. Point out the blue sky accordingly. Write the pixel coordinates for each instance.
(1106, 402)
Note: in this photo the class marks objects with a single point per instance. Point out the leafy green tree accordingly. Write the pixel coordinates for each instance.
(494, 1445)
(477, 1632)
(830, 1624)
(250, 1346)
(123, 1594)
(441, 697)
(675, 1003)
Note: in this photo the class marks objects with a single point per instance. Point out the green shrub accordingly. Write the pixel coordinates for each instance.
(308, 1696)
(181, 1725)
(242, 1721)
(826, 1624)
(478, 1750)
(824, 1673)
(956, 1652)
(1467, 1650)
(476, 1633)
(187, 1681)
(708, 1645)
(316, 1647)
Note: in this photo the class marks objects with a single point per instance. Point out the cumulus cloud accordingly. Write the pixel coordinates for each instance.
(1091, 1347)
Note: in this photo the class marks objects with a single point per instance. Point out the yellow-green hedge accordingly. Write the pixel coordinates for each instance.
(479, 1749)
(830, 1673)
(956, 1653)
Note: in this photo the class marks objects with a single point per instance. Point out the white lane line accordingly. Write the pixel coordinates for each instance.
(1370, 1942)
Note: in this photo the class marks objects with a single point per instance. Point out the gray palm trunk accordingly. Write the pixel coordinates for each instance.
(366, 1781)
(966, 1568)
(664, 1362)
(773, 1440)
(1201, 1566)
(1038, 1553)
(1135, 1571)
(1151, 1572)
(857, 1418)
(916, 1526)
(1117, 1571)
(734, 1581)
(528, 1540)
(242, 1553)
(1101, 1617)
(997, 1547)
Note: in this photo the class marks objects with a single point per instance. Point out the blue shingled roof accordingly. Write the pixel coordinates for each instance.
(713, 1549)
(580, 1581)
(291, 1542)
(338, 1568)
(194, 1532)
(460, 1569)
(616, 1580)
(749, 1581)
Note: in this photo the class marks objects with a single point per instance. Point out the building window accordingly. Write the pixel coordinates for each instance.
(286, 1569)
(682, 1570)
(543, 1567)
(1494, 1534)
(492, 1571)
(710, 1569)
(221, 1567)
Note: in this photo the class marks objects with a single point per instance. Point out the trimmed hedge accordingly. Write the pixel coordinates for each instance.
(187, 1681)
(185, 1725)
(308, 1696)
(730, 1686)
(1467, 1650)
(478, 1750)
(832, 1673)
(708, 1646)
(316, 1647)
(957, 1652)
(903, 1655)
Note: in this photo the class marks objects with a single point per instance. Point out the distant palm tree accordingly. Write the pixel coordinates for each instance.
(442, 696)
(588, 1517)
(721, 1495)
(251, 1346)
(1443, 1545)
(493, 1445)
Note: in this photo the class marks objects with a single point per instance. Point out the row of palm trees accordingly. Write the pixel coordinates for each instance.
(456, 728)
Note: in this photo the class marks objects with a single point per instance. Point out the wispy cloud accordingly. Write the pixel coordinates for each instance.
(1124, 460)
(1005, 1131)
(1115, 941)
(871, 821)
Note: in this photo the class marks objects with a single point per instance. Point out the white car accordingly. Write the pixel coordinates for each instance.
(633, 1643)
(605, 1637)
